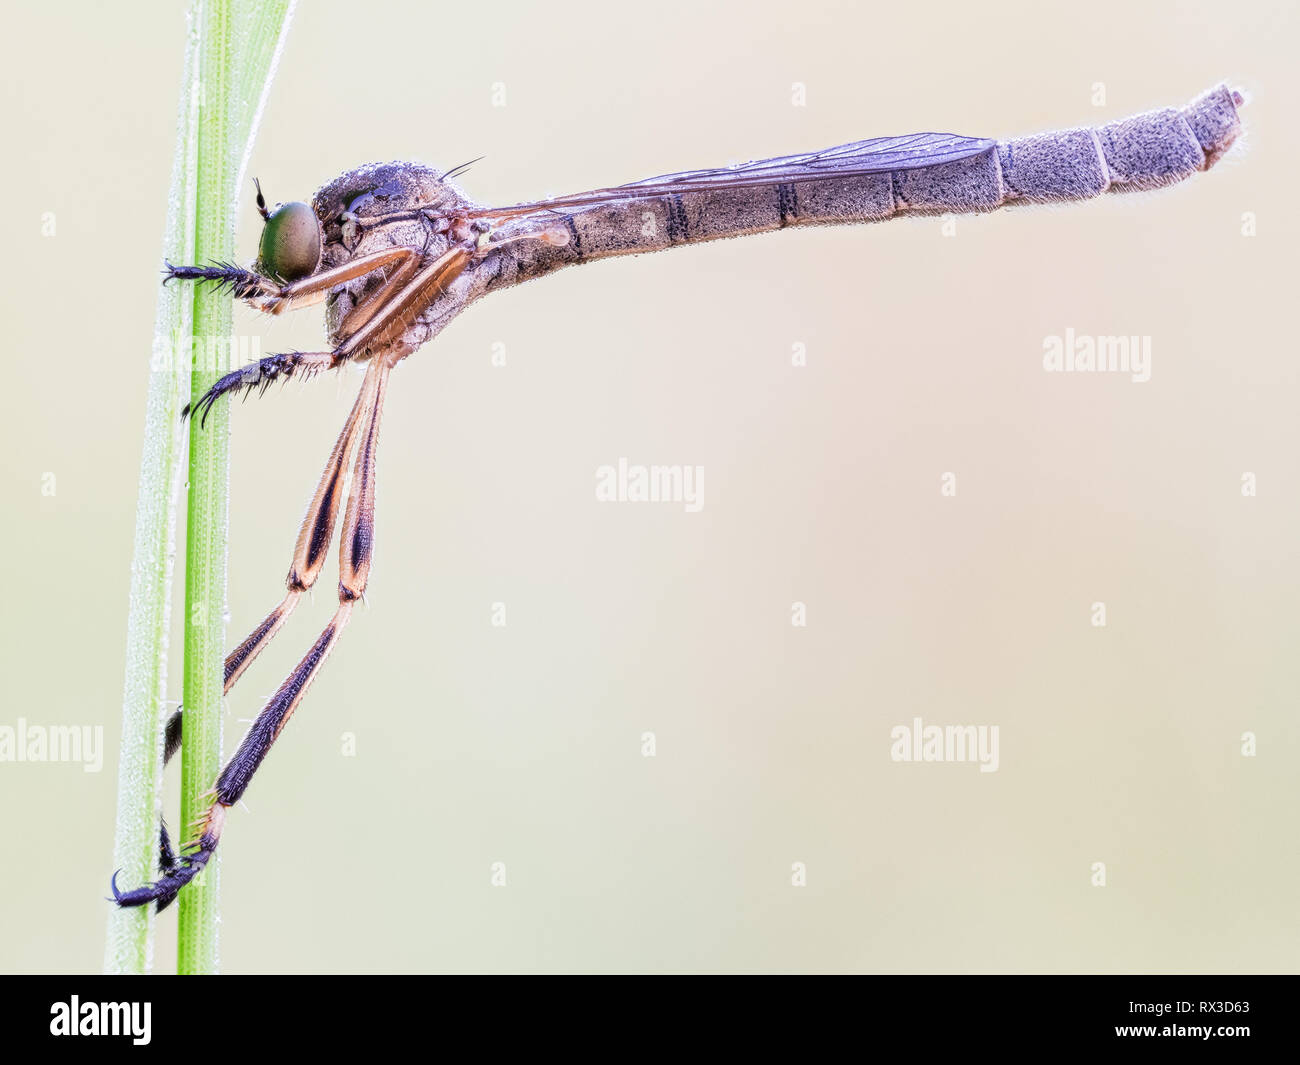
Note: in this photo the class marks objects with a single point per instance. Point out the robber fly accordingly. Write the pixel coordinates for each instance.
(396, 251)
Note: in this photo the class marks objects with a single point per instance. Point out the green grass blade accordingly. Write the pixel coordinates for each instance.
(129, 947)
(239, 43)
(231, 52)
(207, 501)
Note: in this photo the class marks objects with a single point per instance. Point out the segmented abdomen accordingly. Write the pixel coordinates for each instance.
(1143, 152)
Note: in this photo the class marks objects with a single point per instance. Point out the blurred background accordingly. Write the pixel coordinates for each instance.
(436, 743)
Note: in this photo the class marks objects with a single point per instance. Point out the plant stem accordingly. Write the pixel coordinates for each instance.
(231, 53)
(239, 45)
(208, 499)
(130, 931)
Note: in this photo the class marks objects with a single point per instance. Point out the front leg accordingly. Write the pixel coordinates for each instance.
(266, 294)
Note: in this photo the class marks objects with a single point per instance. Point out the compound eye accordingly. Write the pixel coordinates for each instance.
(290, 248)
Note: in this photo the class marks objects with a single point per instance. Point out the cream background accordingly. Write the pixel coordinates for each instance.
(478, 744)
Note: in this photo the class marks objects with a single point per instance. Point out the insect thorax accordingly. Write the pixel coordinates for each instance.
(366, 194)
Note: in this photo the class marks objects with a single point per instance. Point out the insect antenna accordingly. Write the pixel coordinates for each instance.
(261, 202)
(456, 171)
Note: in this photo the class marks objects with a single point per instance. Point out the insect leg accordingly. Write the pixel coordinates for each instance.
(374, 304)
(267, 294)
(381, 330)
(313, 289)
(356, 544)
(318, 524)
(308, 558)
(259, 375)
(382, 326)
(354, 568)
(374, 325)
